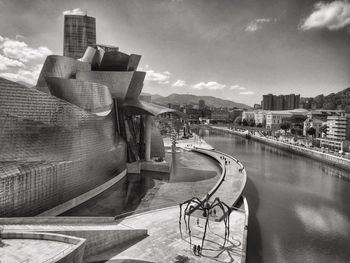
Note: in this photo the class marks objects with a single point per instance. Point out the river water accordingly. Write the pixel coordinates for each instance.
(299, 208)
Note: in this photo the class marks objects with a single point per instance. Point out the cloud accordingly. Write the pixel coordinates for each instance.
(18, 36)
(18, 60)
(237, 87)
(28, 76)
(6, 63)
(211, 85)
(21, 51)
(75, 11)
(158, 77)
(249, 92)
(333, 16)
(179, 83)
(256, 24)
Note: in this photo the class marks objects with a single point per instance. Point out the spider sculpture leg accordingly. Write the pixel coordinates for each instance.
(205, 228)
(226, 214)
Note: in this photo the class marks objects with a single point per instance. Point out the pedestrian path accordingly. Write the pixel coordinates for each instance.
(165, 243)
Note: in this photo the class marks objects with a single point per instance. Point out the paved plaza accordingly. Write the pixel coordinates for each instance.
(31, 250)
(165, 243)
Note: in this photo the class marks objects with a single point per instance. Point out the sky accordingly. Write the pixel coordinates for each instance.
(231, 49)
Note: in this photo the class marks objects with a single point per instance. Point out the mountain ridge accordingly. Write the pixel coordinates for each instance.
(176, 98)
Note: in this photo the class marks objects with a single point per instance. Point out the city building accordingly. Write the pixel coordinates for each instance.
(291, 102)
(313, 123)
(260, 118)
(248, 116)
(280, 102)
(192, 114)
(267, 102)
(257, 106)
(79, 33)
(323, 114)
(274, 119)
(338, 128)
(335, 145)
(220, 116)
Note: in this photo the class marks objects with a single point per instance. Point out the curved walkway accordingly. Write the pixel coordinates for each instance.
(164, 242)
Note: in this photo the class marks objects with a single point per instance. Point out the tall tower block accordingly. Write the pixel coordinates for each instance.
(79, 33)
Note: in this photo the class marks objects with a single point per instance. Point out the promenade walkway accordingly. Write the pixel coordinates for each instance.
(165, 243)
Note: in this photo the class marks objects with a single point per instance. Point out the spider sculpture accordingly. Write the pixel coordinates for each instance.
(194, 204)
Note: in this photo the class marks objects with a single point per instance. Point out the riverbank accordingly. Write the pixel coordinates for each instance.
(319, 156)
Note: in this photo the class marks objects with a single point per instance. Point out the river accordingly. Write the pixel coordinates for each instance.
(299, 207)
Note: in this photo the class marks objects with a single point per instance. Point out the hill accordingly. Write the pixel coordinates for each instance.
(193, 99)
(333, 101)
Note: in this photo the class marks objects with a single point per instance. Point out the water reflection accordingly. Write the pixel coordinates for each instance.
(326, 220)
(299, 209)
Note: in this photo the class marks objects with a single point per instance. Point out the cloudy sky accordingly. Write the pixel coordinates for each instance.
(232, 49)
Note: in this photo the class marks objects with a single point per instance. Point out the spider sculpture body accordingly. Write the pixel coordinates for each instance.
(207, 207)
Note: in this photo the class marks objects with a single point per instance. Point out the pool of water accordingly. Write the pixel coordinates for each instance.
(299, 207)
(192, 174)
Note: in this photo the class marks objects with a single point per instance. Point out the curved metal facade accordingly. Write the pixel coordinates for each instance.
(92, 97)
(51, 151)
(62, 67)
(71, 133)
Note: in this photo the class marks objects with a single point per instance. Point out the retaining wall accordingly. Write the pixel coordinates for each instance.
(84, 197)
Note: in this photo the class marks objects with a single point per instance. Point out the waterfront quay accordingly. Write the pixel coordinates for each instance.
(150, 235)
(331, 159)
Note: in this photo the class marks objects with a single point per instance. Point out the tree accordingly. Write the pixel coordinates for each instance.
(259, 125)
(177, 125)
(297, 130)
(311, 131)
(245, 122)
(252, 123)
(238, 121)
(285, 126)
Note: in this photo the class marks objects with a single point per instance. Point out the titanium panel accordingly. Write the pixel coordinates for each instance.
(92, 97)
(117, 82)
(59, 66)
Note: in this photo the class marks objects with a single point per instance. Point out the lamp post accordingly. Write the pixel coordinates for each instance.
(1, 230)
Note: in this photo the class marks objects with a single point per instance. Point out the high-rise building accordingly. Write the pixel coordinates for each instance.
(280, 102)
(201, 104)
(79, 33)
(338, 128)
(268, 102)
